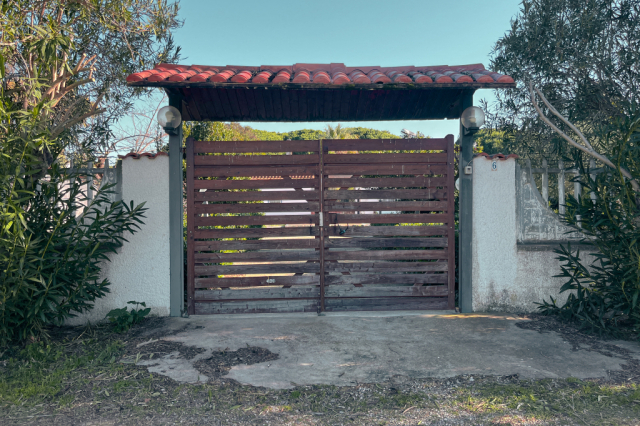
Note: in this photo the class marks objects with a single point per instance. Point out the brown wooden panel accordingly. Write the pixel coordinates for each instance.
(391, 182)
(256, 160)
(386, 267)
(256, 195)
(385, 158)
(302, 231)
(379, 169)
(269, 256)
(424, 206)
(284, 244)
(256, 183)
(385, 144)
(297, 292)
(386, 304)
(265, 269)
(342, 218)
(385, 242)
(386, 231)
(236, 171)
(386, 255)
(257, 281)
(255, 146)
(395, 291)
(386, 194)
(257, 208)
(308, 219)
(364, 279)
(256, 307)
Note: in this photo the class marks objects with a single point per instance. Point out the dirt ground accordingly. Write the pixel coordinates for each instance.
(89, 377)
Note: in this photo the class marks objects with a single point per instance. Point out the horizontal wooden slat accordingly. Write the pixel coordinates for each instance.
(303, 231)
(343, 218)
(257, 183)
(385, 304)
(256, 195)
(266, 269)
(387, 194)
(385, 242)
(310, 219)
(257, 307)
(257, 160)
(285, 244)
(238, 171)
(296, 292)
(424, 206)
(384, 144)
(254, 146)
(385, 255)
(257, 208)
(384, 158)
(386, 267)
(257, 281)
(376, 169)
(395, 291)
(386, 231)
(391, 182)
(365, 279)
(268, 256)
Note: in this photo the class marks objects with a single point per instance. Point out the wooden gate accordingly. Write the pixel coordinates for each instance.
(335, 225)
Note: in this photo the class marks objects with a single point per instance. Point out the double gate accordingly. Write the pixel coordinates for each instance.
(335, 225)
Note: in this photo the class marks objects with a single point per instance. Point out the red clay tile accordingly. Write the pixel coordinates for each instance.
(301, 77)
(222, 77)
(334, 73)
(203, 76)
(137, 156)
(241, 77)
(262, 77)
(496, 156)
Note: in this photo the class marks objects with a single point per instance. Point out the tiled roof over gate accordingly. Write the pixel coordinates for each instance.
(325, 74)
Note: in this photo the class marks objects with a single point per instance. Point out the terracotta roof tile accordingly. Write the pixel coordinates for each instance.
(335, 73)
(137, 156)
(496, 156)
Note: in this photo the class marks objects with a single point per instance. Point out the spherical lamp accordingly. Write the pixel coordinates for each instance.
(169, 117)
(472, 118)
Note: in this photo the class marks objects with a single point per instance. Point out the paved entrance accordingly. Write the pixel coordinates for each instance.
(326, 225)
(369, 347)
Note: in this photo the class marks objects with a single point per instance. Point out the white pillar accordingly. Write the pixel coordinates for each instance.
(494, 231)
(140, 269)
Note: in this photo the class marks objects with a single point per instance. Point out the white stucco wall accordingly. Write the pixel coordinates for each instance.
(506, 276)
(140, 269)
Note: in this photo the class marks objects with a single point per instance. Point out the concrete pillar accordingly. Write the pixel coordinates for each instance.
(140, 269)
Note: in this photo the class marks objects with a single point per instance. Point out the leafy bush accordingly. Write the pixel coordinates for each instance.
(122, 319)
(606, 294)
(51, 250)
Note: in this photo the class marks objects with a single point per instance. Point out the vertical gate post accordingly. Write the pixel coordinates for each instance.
(191, 306)
(321, 221)
(465, 285)
(176, 233)
(451, 226)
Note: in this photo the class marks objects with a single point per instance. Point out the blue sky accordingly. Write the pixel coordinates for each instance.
(355, 32)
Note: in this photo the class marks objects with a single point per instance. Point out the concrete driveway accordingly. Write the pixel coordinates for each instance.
(367, 347)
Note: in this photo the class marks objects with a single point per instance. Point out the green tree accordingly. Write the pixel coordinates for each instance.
(336, 132)
(366, 133)
(81, 52)
(583, 55)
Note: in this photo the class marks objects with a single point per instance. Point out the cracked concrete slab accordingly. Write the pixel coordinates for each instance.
(367, 347)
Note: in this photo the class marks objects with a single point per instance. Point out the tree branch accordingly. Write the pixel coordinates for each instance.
(586, 149)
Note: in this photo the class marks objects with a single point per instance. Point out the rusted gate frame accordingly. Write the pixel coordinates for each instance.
(350, 162)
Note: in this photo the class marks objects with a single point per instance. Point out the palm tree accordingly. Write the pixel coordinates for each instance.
(337, 132)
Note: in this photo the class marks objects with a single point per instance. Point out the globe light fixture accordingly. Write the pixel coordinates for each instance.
(472, 119)
(169, 118)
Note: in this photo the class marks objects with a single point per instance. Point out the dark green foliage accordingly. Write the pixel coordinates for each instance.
(606, 294)
(583, 55)
(366, 133)
(123, 319)
(50, 265)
